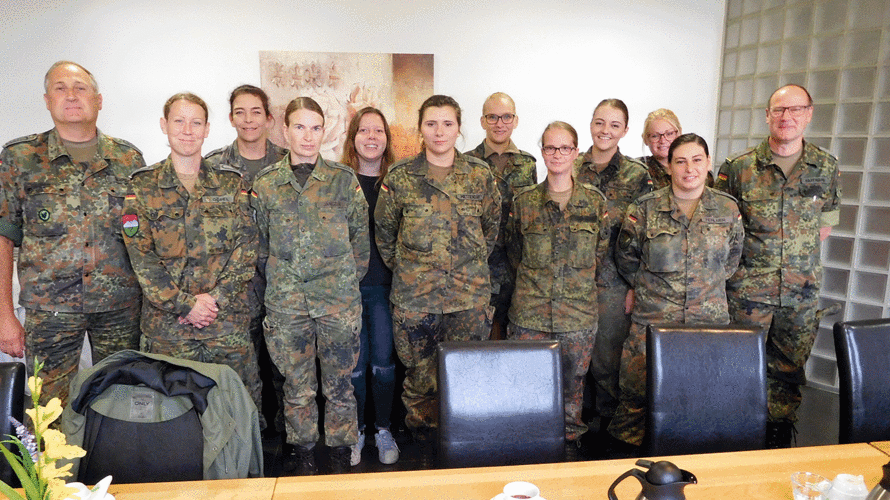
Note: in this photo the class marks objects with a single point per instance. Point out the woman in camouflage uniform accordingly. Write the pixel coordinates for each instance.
(314, 247)
(557, 238)
(437, 222)
(192, 244)
(660, 128)
(677, 248)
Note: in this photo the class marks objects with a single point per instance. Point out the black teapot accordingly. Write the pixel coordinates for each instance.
(663, 481)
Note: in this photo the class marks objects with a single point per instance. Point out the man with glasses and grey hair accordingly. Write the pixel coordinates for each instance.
(62, 194)
(513, 169)
(789, 197)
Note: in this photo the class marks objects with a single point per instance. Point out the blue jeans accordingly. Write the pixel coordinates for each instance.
(376, 350)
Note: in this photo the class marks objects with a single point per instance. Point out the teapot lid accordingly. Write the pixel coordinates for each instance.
(662, 472)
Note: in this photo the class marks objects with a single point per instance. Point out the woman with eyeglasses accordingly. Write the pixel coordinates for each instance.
(660, 129)
(678, 246)
(437, 220)
(622, 180)
(557, 237)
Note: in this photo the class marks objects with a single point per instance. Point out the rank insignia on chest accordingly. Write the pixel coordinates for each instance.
(131, 224)
(43, 215)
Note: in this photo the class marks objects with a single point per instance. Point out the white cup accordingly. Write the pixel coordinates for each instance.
(848, 487)
(521, 490)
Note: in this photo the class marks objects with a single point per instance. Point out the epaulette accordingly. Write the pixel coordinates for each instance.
(647, 196)
(20, 140)
(338, 165)
(528, 155)
(738, 155)
(472, 160)
(147, 168)
(225, 167)
(268, 168)
(723, 193)
(523, 189)
(590, 187)
(217, 151)
(401, 164)
(125, 143)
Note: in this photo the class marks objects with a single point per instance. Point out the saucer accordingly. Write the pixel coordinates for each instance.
(501, 496)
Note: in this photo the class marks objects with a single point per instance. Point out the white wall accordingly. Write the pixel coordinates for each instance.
(557, 58)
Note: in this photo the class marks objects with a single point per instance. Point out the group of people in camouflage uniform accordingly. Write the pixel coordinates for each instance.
(257, 247)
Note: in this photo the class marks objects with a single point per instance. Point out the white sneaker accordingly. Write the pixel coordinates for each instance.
(356, 456)
(387, 449)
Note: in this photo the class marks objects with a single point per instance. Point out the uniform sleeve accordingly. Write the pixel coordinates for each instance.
(10, 207)
(262, 224)
(491, 213)
(628, 250)
(646, 184)
(831, 210)
(387, 219)
(359, 235)
(157, 284)
(513, 236)
(602, 245)
(239, 269)
(725, 180)
(736, 244)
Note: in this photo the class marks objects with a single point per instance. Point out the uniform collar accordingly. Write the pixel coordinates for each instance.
(167, 178)
(487, 151)
(419, 165)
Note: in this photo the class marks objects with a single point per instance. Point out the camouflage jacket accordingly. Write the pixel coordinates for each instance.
(66, 218)
(660, 177)
(521, 172)
(230, 156)
(780, 264)
(622, 181)
(679, 267)
(182, 244)
(557, 254)
(314, 243)
(436, 237)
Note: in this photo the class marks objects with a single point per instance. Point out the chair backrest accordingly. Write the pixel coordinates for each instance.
(863, 364)
(500, 403)
(12, 404)
(706, 389)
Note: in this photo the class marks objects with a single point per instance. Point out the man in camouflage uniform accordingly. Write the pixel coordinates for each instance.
(436, 236)
(789, 195)
(314, 247)
(62, 193)
(184, 245)
(679, 267)
(557, 252)
(622, 181)
(250, 152)
(513, 169)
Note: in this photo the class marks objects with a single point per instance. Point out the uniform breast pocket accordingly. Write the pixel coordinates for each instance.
(762, 210)
(716, 241)
(168, 231)
(470, 216)
(663, 250)
(219, 226)
(537, 247)
(44, 210)
(283, 234)
(417, 228)
(336, 242)
(584, 237)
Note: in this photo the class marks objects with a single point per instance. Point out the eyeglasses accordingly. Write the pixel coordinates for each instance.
(551, 150)
(655, 136)
(507, 118)
(794, 111)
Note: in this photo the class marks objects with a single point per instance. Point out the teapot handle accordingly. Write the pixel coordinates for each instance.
(637, 473)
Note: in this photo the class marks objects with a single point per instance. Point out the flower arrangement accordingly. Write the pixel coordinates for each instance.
(36, 468)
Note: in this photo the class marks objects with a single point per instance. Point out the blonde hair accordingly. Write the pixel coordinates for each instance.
(660, 114)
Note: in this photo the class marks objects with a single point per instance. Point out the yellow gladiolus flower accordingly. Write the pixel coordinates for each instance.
(55, 447)
(35, 385)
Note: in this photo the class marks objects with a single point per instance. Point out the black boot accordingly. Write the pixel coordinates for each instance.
(779, 434)
(340, 459)
(300, 461)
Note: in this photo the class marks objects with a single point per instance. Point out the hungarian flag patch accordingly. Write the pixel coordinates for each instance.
(131, 224)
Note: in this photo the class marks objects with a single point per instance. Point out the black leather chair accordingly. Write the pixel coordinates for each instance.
(863, 364)
(500, 403)
(12, 404)
(706, 389)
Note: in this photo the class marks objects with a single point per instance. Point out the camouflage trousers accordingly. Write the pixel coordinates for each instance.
(232, 349)
(294, 342)
(792, 332)
(57, 340)
(612, 331)
(417, 335)
(629, 423)
(575, 348)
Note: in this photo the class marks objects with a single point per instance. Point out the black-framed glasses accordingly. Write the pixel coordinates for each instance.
(492, 118)
(794, 111)
(564, 150)
(669, 135)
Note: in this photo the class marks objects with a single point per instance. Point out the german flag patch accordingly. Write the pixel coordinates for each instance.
(722, 176)
(632, 218)
(384, 187)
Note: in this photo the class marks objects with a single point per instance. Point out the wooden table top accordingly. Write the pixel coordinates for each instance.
(223, 489)
(761, 474)
(884, 446)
